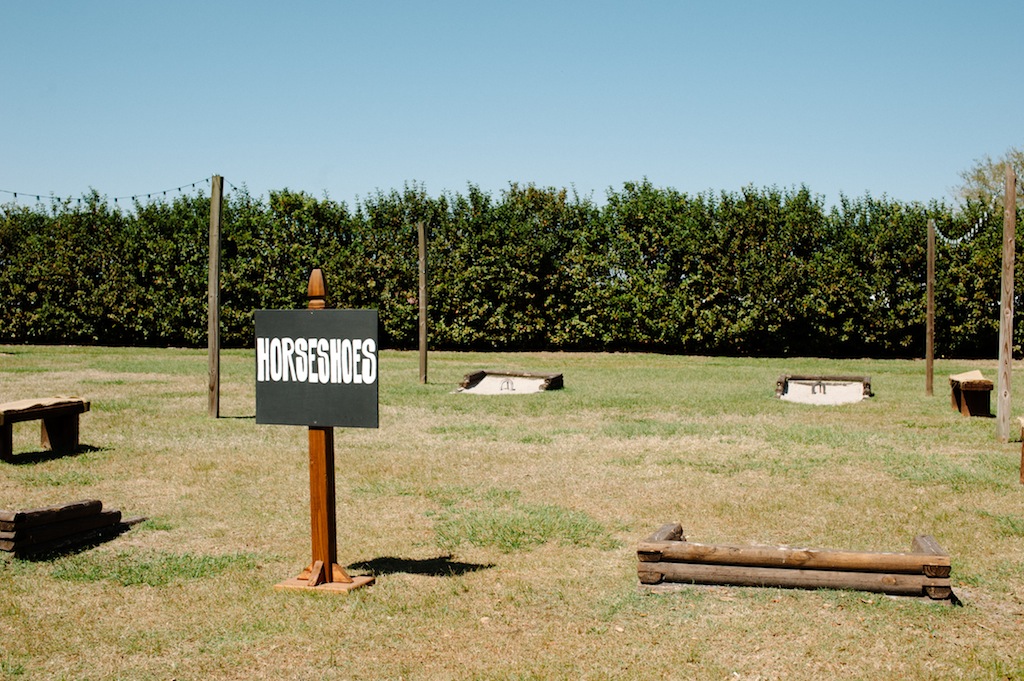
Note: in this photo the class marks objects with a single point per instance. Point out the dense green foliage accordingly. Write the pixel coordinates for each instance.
(756, 272)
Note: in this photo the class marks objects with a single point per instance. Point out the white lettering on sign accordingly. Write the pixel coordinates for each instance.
(316, 360)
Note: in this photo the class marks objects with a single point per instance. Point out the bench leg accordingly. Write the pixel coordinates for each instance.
(976, 403)
(6, 442)
(60, 433)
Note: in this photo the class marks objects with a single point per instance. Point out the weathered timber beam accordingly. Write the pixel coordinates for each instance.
(16, 520)
(732, 575)
(21, 538)
(926, 544)
(791, 558)
(668, 532)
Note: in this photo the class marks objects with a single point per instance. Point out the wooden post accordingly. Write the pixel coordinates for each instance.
(213, 295)
(930, 349)
(1006, 317)
(323, 571)
(323, 529)
(321, 477)
(422, 235)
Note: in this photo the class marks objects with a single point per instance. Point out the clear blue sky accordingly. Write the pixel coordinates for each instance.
(345, 98)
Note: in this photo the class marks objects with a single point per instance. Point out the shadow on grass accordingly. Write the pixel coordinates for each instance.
(73, 545)
(442, 566)
(24, 458)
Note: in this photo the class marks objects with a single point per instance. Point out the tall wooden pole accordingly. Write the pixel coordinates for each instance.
(930, 350)
(213, 295)
(422, 235)
(1006, 318)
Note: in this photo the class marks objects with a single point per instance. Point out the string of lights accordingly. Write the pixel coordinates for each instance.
(970, 233)
(15, 195)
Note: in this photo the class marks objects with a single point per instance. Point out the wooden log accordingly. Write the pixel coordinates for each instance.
(789, 558)
(23, 538)
(668, 532)
(42, 533)
(16, 520)
(732, 575)
(926, 544)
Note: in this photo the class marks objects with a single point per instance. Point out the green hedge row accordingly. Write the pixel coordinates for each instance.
(755, 272)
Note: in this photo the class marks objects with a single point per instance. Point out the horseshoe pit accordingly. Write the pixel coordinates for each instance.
(823, 390)
(508, 383)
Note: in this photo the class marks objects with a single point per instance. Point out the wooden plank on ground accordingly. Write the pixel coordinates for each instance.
(51, 531)
(668, 532)
(16, 520)
(926, 544)
(790, 558)
(695, 573)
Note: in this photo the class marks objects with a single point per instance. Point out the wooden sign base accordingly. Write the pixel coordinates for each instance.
(314, 577)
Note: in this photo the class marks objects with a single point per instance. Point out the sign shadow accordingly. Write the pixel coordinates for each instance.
(441, 566)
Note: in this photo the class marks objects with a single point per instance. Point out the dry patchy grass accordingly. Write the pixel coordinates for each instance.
(502, 530)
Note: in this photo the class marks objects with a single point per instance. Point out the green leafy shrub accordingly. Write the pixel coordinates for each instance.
(754, 272)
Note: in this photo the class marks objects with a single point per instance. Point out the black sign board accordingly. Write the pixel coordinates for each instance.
(317, 368)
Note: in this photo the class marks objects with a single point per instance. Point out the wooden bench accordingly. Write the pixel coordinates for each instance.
(970, 393)
(59, 428)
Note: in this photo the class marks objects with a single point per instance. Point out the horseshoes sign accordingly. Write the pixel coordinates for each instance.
(317, 368)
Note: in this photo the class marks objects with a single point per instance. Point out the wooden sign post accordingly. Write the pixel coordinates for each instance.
(307, 372)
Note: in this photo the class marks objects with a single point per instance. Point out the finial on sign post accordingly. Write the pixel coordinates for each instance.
(316, 291)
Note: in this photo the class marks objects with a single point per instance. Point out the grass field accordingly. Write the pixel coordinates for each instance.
(502, 530)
